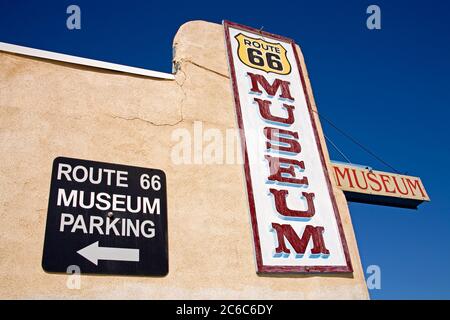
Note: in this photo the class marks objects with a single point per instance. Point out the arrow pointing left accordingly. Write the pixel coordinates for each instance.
(94, 252)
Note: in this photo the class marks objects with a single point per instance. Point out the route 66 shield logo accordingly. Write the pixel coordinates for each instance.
(263, 55)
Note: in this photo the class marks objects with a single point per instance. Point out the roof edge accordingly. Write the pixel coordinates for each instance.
(8, 47)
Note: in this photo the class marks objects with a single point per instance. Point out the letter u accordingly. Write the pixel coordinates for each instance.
(282, 208)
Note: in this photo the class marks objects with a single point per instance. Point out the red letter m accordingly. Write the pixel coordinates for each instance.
(299, 244)
(271, 89)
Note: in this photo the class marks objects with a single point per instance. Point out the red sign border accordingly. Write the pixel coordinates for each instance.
(257, 245)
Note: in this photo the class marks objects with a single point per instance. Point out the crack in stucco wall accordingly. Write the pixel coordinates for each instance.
(178, 70)
(181, 118)
(178, 63)
(146, 121)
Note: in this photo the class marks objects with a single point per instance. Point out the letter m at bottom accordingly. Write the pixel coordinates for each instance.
(285, 231)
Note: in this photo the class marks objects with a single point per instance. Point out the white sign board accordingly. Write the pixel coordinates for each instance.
(295, 220)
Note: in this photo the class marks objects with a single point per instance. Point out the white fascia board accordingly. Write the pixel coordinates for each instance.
(82, 61)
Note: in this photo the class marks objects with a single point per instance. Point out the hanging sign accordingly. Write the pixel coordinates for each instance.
(376, 187)
(106, 219)
(295, 220)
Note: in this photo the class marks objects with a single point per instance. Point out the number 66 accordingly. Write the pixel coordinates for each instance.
(154, 182)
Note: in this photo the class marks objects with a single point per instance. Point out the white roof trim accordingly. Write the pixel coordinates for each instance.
(82, 61)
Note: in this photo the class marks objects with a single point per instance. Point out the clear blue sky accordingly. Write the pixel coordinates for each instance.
(389, 88)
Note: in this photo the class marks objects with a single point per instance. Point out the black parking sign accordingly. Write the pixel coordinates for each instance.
(106, 219)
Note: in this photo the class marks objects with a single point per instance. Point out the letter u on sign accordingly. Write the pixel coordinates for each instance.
(295, 219)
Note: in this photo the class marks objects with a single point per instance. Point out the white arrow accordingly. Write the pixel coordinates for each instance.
(94, 253)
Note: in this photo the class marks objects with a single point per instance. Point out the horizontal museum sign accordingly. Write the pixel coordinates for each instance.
(362, 184)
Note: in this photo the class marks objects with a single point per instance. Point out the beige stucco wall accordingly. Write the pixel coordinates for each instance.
(50, 109)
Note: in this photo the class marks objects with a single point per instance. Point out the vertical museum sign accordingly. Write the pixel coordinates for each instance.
(295, 220)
